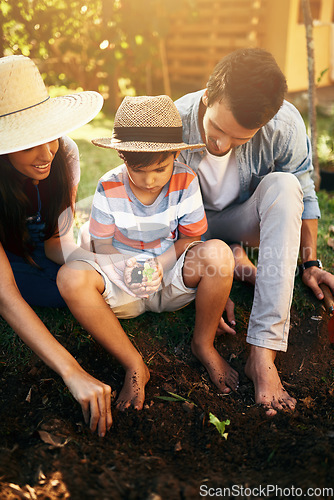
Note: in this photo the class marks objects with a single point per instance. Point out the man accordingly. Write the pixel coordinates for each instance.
(255, 177)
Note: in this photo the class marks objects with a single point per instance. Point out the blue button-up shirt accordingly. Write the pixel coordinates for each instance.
(282, 145)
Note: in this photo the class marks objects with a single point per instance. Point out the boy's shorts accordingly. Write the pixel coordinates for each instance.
(172, 296)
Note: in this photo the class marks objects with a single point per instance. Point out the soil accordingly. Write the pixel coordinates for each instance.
(170, 450)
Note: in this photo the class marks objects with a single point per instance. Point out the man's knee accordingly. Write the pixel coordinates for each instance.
(282, 189)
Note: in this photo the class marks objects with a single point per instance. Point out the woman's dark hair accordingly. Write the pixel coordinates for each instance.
(140, 159)
(251, 84)
(14, 203)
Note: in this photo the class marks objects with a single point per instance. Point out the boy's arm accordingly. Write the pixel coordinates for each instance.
(169, 258)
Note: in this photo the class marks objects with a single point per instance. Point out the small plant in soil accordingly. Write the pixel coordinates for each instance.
(141, 271)
(220, 425)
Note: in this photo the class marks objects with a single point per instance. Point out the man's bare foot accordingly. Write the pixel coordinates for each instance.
(244, 269)
(269, 391)
(221, 373)
(133, 390)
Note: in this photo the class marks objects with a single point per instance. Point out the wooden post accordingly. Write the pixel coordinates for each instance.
(308, 22)
(164, 64)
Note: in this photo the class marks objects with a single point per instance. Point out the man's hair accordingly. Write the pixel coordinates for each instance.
(140, 159)
(251, 85)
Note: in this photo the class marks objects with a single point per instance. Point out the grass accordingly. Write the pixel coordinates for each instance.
(175, 328)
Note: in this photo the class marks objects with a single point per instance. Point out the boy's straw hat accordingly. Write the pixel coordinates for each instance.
(146, 124)
(28, 116)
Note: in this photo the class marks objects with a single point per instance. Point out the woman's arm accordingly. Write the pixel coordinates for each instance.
(93, 396)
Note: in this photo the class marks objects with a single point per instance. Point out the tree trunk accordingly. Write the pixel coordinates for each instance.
(308, 22)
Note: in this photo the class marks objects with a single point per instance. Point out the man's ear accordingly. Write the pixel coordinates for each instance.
(205, 98)
(177, 154)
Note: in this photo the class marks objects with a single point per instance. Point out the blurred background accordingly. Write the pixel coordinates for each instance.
(121, 47)
(136, 47)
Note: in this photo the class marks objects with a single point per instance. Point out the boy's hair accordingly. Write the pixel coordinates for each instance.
(139, 159)
(251, 83)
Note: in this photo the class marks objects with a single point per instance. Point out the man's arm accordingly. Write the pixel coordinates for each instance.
(313, 276)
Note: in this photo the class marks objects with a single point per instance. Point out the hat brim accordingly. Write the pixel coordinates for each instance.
(47, 121)
(144, 147)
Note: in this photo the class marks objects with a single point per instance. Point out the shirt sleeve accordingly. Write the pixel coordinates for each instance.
(296, 157)
(71, 152)
(192, 220)
(101, 222)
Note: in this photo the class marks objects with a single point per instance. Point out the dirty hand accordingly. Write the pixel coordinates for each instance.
(114, 271)
(94, 397)
(149, 276)
(224, 327)
(313, 277)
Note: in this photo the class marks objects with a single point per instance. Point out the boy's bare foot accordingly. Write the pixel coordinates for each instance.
(269, 391)
(221, 373)
(133, 390)
(244, 269)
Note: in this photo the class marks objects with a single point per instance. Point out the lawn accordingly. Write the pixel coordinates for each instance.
(170, 448)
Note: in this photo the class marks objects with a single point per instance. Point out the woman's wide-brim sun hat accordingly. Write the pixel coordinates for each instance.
(28, 116)
(146, 124)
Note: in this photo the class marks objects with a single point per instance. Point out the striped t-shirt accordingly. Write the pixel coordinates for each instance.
(147, 230)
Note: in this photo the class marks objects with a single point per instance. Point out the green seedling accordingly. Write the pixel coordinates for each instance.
(220, 425)
(175, 397)
(148, 271)
(139, 272)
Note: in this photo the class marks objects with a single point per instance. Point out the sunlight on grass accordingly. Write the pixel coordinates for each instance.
(94, 161)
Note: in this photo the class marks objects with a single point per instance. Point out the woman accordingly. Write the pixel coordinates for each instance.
(39, 173)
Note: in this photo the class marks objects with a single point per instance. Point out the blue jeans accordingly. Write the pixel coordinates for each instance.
(37, 286)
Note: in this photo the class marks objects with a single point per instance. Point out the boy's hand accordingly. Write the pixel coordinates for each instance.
(143, 280)
(114, 272)
(153, 274)
(133, 277)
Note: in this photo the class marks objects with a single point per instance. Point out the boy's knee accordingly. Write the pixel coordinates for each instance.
(216, 253)
(70, 278)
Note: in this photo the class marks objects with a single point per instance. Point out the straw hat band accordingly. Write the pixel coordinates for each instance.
(23, 109)
(168, 135)
(147, 124)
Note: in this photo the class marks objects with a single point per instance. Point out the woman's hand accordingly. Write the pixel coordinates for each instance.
(94, 397)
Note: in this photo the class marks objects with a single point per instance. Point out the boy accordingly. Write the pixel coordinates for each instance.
(149, 211)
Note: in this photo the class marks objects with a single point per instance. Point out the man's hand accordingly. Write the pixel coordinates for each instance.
(313, 277)
(224, 327)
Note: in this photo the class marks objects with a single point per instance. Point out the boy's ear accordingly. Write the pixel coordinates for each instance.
(205, 98)
(177, 154)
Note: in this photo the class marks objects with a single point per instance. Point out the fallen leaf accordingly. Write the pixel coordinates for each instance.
(178, 446)
(58, 441)
(330, 242)
(308, 402)
(28, 398)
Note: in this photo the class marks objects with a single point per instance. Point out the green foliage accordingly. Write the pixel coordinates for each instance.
(326, 253)
(121, 39)
(175, 398)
